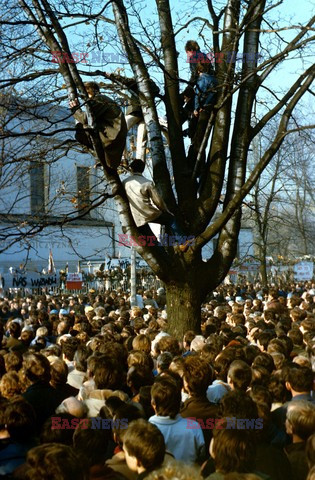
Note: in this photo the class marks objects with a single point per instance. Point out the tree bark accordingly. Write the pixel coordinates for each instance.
(183, 308)
(263, 267)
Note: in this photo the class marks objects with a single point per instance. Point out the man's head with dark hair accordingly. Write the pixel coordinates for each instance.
(139, 376)
(251, 352)
(288, 343)
(191, 46)
(300, 420)
(197, 375)
(263, 339)
(310, 450)
(137, 357)
(277, 345)
(166, 397)
(69, 347)
(299, 379)
(19, 419)
(80, 358)
(276, 387)
(54, 461)
(163, 361)
(297, 315)
(137, 166)
(144, 446)
(238, 404)
(233, 450)
(91, 445)
(263, 400)
(108, 373)
(260, 376)
(264, 360)
(92, 87)
(273, 293)
(58, 373)
(239, 375)
(223, 362)
(296, 336)
(307, 325)
(15, 329)
(57, 435)
(126, 412)
(36, 368)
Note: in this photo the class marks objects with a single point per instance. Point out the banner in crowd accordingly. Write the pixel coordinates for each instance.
(74, 281)
(30, 280)
(303, 271)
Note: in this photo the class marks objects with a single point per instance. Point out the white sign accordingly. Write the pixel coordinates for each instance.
(74, 277)
(303, 271)
(30, 280)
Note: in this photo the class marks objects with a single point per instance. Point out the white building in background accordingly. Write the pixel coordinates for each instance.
(245, 248)
(44, 182)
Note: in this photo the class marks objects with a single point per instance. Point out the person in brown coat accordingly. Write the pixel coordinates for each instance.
(110, 123)
(197, 377)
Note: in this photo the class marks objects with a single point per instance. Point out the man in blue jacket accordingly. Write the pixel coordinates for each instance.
(205, 93)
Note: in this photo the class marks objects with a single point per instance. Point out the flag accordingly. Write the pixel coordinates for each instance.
(51, 264)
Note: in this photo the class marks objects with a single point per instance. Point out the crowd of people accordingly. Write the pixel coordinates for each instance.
(91, 388)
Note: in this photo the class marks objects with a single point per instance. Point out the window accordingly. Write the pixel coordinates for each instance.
(83, 188)
(37, 187)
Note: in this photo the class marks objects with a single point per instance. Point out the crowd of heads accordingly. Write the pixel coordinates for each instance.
(100, 370)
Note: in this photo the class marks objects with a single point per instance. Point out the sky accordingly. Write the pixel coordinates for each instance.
(293, 12)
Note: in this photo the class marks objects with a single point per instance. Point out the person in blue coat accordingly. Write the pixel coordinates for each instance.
(205, 89)
(205, 96)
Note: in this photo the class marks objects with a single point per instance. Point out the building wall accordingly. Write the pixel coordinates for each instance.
(45, 181)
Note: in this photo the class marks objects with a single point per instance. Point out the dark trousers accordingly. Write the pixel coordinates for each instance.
(170, 223)
(167, 220)
(201, 128)
(113, 152)
(82, 136)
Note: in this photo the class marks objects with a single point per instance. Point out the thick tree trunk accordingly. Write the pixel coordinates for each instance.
(263, 264)
(263, 273)
(183, 308)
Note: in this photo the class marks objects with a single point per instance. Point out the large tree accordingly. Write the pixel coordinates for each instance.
(246, 101)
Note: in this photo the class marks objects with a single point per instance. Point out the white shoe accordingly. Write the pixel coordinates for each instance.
(163, 122)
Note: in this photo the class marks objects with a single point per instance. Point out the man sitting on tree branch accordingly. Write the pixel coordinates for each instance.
(147, 206)
(110, 123)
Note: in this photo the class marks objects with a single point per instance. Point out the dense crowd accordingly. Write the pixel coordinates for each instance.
(91, 388)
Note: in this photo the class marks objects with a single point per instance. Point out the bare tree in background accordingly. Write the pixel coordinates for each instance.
(281, 204)
(247, 101)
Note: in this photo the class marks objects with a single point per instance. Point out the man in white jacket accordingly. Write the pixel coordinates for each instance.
(147, 206)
